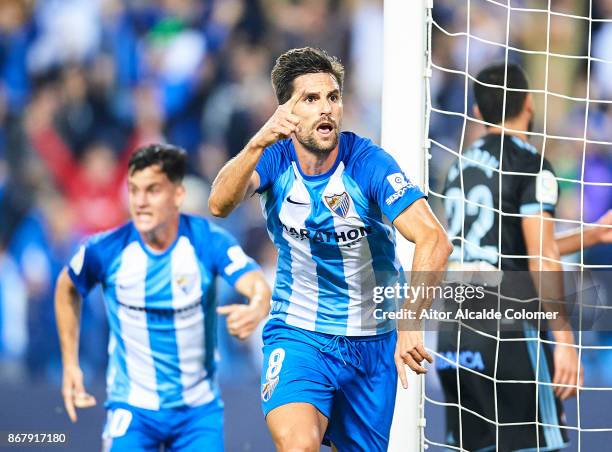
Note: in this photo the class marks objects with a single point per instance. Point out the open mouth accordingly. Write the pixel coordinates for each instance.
(325, 129)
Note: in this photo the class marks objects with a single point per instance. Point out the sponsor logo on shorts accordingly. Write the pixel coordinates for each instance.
(467, 359)
(268, 388)
(275, 364)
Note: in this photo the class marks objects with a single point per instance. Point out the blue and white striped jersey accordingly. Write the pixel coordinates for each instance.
(161, 310)
(333, 244)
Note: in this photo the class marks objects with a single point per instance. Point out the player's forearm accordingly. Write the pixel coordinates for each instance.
(570, 242)
(428, 266)
(254, 286)
(261, 296)
(68, 317)
(547, 276)
(231, 184)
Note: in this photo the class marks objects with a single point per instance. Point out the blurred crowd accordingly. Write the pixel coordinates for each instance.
(83, 83)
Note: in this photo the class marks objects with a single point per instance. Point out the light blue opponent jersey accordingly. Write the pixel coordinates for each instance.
(161, 310)
(333, 245)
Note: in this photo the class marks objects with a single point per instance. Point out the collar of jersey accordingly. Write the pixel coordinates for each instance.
(168, 250)
(329, 172)
(519, 142)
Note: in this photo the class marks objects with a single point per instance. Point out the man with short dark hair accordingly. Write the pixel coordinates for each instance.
(497, 382)
(158, 275)
(330, 363)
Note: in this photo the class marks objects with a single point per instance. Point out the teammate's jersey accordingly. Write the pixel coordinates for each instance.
(475, 205)
(333, 245)
(161, 310)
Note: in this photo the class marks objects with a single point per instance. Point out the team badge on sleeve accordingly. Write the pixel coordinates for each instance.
(397, 181)
(339, 204)
(547, 189)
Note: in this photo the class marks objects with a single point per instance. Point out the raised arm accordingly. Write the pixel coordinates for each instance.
(419, 225)
(68, 318)
(238, 178)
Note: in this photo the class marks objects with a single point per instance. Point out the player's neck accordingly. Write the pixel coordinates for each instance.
(513, 127)
(160, 238)
(314, 163)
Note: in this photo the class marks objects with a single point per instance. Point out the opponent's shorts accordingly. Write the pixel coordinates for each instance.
(516, 402)
(351, 380)
(184, 429)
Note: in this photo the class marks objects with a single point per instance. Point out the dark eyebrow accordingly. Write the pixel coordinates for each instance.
(316, 93)
(147, 187)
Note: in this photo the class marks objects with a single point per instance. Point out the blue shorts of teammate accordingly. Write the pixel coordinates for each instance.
(351, 380)
(181, 429)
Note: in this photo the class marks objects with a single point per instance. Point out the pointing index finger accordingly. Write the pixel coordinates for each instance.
(69, 405)
(225, 310)
(297, 95)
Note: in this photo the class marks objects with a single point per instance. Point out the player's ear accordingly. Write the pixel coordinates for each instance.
(179, 195)
(476, 112)
(528, 105)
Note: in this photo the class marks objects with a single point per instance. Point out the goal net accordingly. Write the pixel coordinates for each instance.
(565, 49)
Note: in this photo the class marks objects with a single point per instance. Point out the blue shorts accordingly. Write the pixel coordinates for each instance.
(351, 380)
(129, 428)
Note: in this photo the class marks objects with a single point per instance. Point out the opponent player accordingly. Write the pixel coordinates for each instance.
(328, 360)
(531, 192)
(158, 274)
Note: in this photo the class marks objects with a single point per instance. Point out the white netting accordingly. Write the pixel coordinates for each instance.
(566, 49)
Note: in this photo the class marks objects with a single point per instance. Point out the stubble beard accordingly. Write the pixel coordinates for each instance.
(310, 142)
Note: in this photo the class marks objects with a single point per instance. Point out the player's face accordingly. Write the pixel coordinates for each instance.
(320, 111)
(154, 199)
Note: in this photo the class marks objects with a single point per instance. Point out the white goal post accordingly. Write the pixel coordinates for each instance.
(407, 108)
(403, 136)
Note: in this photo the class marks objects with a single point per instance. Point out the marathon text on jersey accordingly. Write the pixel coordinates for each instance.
(340, 237)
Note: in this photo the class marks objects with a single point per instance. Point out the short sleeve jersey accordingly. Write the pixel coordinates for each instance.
(161, 309)
(528, 187)
(333, 242)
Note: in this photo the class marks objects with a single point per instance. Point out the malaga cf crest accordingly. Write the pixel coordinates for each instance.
(339, 204)
(186, 282)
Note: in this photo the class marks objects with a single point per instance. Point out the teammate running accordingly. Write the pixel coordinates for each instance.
(158, 274)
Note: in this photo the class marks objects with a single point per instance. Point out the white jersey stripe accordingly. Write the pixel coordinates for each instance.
(357, 261)
(189, 325)
(302, 311)
(131, 278)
